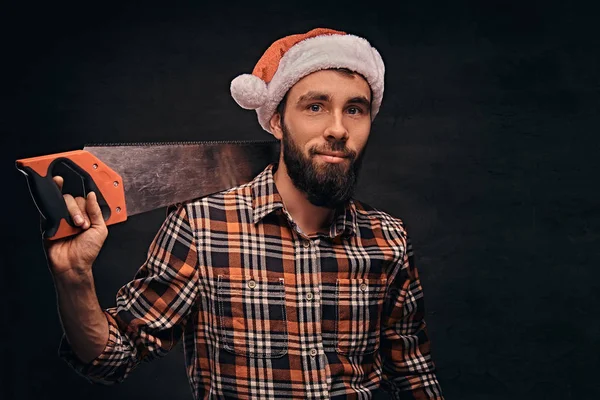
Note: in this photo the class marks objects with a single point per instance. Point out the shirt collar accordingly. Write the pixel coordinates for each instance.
(266, 199)
(344, 223)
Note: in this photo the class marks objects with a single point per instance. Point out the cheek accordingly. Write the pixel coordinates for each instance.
(298, 144)
(360, 135)
(305, 135)
(310, 128)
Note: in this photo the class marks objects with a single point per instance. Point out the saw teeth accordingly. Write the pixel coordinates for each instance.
(175, 143)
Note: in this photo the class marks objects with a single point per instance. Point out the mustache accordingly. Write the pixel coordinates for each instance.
(338, 147)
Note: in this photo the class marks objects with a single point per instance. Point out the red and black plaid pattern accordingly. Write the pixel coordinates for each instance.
(266, 311)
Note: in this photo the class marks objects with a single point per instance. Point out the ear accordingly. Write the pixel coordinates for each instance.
(275, 125)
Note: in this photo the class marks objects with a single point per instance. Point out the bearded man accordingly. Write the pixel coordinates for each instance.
(283, 288)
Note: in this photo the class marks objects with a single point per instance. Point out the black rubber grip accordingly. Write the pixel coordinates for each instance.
(48, 198)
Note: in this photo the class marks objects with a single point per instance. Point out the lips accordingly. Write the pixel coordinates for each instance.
(336, 154)
(332, 158)
(332, 154)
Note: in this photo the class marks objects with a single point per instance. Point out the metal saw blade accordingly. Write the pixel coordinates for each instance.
(157, 175)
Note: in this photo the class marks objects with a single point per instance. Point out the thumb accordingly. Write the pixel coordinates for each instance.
(93, 209)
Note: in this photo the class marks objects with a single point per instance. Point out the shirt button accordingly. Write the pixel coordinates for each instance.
(251, 284)
(363, 287)
(309, 296)
(313, 352)
(306, 243)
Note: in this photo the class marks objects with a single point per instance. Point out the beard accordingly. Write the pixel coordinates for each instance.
(325, 185)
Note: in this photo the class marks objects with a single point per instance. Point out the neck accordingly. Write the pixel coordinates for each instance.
(310, 218)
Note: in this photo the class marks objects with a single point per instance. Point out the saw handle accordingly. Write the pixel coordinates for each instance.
(81, 169)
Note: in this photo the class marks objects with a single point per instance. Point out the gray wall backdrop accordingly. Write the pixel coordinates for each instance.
(486, 145)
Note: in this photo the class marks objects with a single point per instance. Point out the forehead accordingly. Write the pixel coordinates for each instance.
(334, 83)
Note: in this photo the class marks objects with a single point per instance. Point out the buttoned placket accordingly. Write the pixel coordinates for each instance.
(309, 299)
(313, 295)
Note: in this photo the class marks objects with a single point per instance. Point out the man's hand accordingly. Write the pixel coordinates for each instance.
(73, 257)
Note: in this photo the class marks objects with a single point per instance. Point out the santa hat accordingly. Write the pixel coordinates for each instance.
(293, 57)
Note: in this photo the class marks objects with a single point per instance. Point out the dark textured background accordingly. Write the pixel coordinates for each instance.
(486, 145)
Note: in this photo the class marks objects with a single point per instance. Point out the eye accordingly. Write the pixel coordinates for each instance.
(355, 110)
(314, 107)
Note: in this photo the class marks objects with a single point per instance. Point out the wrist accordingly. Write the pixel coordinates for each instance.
(74, 278)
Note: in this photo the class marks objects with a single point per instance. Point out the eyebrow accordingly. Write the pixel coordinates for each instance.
(314, 96)
(360, 100)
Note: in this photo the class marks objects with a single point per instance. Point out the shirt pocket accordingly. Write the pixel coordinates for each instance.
(251, 316)
(359, 303)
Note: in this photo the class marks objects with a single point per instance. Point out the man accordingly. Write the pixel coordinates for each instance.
(285, 287)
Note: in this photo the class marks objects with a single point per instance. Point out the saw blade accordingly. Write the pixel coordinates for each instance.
(160, 174)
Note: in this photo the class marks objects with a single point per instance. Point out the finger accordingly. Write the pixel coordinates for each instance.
(59, 181)
(74, 210)
(93, 210)
(82, 206)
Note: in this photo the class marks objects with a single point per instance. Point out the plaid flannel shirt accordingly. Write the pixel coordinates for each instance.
(268, 312)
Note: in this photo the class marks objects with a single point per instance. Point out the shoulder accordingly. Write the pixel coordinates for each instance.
(379, 219)
(238, 198)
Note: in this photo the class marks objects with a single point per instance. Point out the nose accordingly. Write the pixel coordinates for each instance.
(336, 130)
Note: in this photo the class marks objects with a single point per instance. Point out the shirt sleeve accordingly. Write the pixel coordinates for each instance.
(151, 310)
(408, 368)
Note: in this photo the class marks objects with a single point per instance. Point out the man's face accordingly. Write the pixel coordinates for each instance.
(324, 133)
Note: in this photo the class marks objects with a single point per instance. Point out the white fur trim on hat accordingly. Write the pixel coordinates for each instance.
(318, 53)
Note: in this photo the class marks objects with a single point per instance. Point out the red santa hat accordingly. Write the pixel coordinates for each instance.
(291, 58)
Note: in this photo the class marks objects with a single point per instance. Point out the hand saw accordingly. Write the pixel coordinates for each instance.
(132, 178)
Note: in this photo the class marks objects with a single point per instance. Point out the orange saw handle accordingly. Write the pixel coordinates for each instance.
(95, 176)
